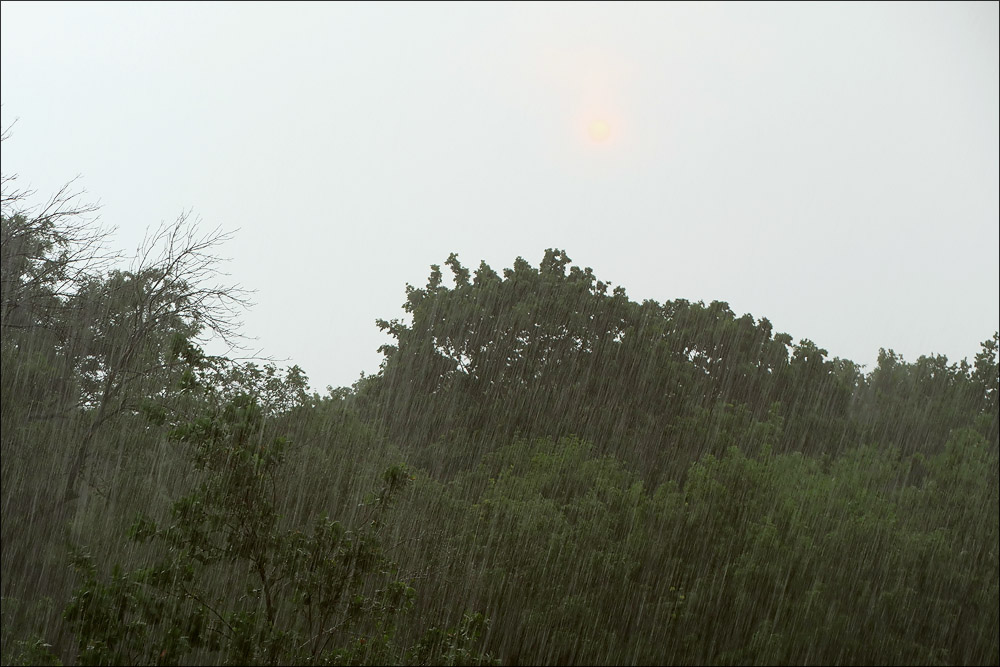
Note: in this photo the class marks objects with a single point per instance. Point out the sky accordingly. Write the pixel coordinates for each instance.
(831, 167)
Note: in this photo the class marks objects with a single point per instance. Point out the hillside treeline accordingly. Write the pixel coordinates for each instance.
(542, 472)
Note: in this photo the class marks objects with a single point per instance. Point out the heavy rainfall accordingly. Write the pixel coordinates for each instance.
(543, 470)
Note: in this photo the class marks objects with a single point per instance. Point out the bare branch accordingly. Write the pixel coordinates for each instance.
(187, 281)
(47, 251)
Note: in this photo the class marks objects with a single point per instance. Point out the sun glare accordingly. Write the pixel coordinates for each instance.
(599, 130)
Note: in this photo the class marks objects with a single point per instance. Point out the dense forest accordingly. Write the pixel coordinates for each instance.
(542, 472)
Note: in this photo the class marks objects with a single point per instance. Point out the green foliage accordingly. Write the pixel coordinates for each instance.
(453, 646)
(607, 482)
(757, 559)
(308, 595)
(553, 351)
(33, 651)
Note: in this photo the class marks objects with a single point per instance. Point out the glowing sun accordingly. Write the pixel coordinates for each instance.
(599, 130)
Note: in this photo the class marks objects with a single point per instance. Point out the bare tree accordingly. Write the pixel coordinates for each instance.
(172, 291)
(46, 251)
(116, 332)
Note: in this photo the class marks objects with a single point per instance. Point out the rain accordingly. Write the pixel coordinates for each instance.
(545, 465)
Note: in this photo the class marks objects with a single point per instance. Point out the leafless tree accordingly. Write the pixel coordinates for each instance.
(46, 251)
(174, 287)
(116, 328)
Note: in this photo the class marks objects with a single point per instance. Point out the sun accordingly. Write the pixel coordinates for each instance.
(599, 130)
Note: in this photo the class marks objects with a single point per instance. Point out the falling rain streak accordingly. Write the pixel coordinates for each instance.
(541, 467)
(542, 472)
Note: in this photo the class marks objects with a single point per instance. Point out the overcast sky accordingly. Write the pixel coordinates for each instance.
(832, 167)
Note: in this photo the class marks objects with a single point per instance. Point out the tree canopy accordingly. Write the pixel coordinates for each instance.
(542, 472)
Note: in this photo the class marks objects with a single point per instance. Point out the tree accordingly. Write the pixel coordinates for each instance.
(80, 337)
(136, 324)
(552, 351)
(46, 253)
(986, 380)
(306, 594)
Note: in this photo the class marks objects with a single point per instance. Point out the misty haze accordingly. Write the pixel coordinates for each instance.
(500, 334)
